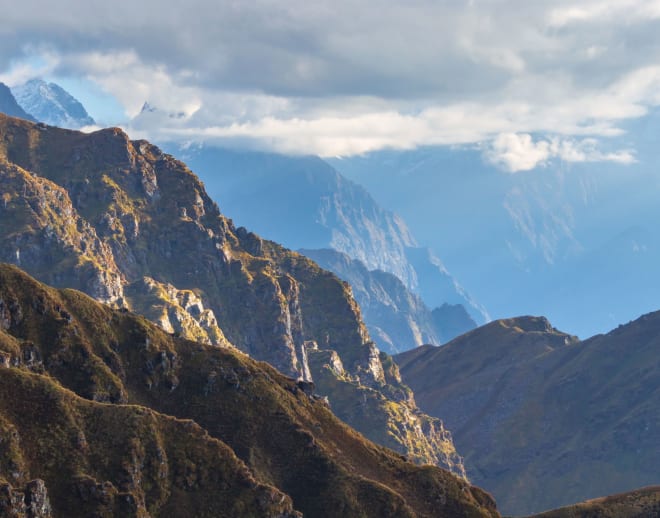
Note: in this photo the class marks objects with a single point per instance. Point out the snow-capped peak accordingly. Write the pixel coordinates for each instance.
(50, 103)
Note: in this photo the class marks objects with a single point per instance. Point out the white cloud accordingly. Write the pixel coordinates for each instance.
(344, 77)
(515, 152)
(132, 82)
(593, 11)
(22, 71)
(518, 152)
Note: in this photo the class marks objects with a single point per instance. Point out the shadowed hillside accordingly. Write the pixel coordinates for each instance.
(642, 503)
(115, 449)
(543, 419)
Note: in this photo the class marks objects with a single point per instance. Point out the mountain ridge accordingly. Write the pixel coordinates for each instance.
(133, 227)
(143, 388)
(563, 229)
(530, 407)
(641, 503)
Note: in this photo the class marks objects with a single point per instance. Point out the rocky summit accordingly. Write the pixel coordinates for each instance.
(132, 227)
(545, 420)
(102, 413)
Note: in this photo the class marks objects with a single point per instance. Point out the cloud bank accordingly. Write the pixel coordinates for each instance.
(344, 77)
(514, 152)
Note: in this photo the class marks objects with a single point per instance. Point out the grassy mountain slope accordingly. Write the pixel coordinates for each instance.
(641, 503)
(132, 226)
(121, 460)
(545, 420)
(128, 370)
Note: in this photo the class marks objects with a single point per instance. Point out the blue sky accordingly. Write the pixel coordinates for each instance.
(103, 105)
(528, 81)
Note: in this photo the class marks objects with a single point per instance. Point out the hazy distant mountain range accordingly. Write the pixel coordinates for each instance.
(550, 241)
(574, 242)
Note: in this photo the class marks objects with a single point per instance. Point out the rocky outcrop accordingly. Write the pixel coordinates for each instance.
(130, 225)
(397, 319)
(43, 232)
(207, 431)
(28, 502)
(176, 311)
(388, 411)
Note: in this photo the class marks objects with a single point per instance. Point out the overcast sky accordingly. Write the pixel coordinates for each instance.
(527, 80)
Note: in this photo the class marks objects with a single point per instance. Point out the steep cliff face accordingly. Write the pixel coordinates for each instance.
(397, 318)
(545, 420)
(130, 225)
(42, 231)
(30, 501)
(176, 311)
(123, 211)
(324, 210)
(259, 445)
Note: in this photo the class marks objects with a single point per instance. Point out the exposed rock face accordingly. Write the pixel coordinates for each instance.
(396, 318)
(324, 210)
(176, 311)
(130, 225)
(43, 233)
(31, 502)
(543, 419)
(208, 431)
